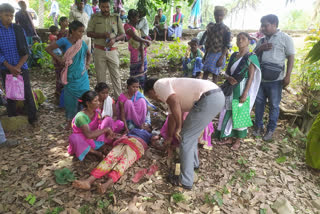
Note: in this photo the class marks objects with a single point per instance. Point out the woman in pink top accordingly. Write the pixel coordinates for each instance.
(137, 47)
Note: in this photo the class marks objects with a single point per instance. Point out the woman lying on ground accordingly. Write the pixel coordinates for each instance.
(108, 108)
(242, 85)
(132, 106)
(89, 134)
(127, 150)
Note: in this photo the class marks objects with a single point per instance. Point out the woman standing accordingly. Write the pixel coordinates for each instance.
(195, 17)
(242, 85)
(137, 48)
(75, 61)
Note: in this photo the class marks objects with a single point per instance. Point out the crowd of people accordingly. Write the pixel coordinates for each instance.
(97, 119)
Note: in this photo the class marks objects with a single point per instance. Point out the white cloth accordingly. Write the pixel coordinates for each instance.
(107, 107)
(143, 26)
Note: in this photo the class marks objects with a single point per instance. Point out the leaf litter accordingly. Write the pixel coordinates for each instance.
(257, 178)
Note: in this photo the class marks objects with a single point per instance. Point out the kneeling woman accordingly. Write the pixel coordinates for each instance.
(127, 150)
(132, 106)
(88, 135)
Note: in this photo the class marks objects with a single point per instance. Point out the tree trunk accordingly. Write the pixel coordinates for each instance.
(41, 13)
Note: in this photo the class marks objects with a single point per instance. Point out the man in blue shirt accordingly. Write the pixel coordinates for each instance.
(54, 12)
(13, 56)
(87, 8)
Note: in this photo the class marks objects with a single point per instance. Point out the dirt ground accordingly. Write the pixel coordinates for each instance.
(255, 179)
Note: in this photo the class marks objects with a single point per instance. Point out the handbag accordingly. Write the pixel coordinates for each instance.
(271, 71)
(241, 114)
(14, 87)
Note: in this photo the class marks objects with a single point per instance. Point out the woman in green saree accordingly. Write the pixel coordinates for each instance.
(243, 77)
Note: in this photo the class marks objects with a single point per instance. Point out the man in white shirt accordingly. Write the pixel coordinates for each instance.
(143, 25)
(202, 99)
(78, 13)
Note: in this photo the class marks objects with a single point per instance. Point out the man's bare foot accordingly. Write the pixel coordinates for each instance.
(236, 145)
(84, 184)
(102, 188)
(228, 141)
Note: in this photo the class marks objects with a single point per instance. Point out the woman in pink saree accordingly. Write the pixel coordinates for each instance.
(132, 106)
(89, 133)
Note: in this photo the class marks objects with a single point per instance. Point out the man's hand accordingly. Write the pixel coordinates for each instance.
(14, 70)
(220, 61)
(111, 42)
(286, 81)
(177, 134)
(232, 80)
(106, 35)
(265, 47)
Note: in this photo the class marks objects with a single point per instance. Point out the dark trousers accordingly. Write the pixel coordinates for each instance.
(29, 104)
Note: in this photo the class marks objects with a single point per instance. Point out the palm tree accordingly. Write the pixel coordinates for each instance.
(243, 5)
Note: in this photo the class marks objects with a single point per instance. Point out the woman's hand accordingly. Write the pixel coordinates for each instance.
(87, 66)
(220, 61)
(177, 134)
(114, 118)
(232, 80)
(243, 98)
(141, 70)
(148, 43)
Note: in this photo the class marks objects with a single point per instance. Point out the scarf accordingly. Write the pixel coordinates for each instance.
(174, 18)
(226, 87)
(107, 107)
(68, 56)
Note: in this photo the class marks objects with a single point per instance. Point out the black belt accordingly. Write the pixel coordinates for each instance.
(205, 94)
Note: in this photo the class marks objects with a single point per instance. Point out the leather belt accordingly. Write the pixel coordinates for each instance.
(104, 48)
(205, 94)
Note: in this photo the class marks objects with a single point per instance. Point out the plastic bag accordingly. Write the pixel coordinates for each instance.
(14, 87)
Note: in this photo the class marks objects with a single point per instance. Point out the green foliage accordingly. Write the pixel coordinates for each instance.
(176, 52)
(263, 211)
(242, 161)
(39, 53)
(31, 199)
(84, 209)
(64, 176)
(281, 159)
(55, 210)
(214, 199)
(103, 203)
(178, 197)
(296, 20)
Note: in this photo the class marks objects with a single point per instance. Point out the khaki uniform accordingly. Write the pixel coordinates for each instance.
(106, 61)
(82, 17)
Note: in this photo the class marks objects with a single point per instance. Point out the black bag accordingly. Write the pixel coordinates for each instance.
(271, 71)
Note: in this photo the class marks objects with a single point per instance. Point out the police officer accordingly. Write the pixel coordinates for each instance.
(106, 29)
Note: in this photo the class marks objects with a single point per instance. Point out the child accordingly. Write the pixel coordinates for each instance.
(192, 62)
(63, 22)
(53, 37)
(57, 66)
(217, 45)
(123, 16)
(108, 108)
